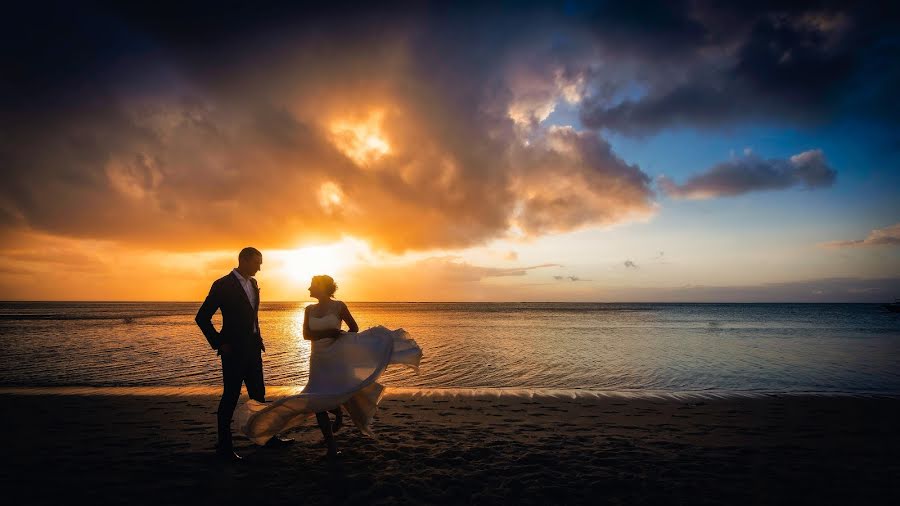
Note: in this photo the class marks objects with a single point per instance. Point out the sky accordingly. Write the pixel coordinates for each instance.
(664, 151)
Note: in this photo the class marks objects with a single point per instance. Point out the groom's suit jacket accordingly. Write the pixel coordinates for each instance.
(240, 318)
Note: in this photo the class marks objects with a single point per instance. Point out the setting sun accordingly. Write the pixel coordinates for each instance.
(300, 265)
(303, 264)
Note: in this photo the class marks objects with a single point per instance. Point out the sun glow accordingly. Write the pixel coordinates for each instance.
(331, 197)
(300, 265)
(363, 141)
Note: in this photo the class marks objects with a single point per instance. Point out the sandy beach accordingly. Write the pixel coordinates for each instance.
(476, 448)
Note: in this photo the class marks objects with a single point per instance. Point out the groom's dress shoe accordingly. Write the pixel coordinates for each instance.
(279, 441)
(228, 455)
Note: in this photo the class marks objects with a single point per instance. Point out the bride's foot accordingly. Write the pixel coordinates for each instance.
(338, 420)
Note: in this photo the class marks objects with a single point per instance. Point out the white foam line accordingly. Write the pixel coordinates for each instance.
(274, 392)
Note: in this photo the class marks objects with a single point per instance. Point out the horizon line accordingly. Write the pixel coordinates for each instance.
(127, 301)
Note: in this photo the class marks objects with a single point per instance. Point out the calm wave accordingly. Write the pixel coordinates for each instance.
(607, 347)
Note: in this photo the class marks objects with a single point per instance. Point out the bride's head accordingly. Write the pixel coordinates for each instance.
(322, 287)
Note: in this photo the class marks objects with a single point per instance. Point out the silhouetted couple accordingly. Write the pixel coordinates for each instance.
(343, 366)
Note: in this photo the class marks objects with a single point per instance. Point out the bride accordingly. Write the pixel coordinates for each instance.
(343, 369)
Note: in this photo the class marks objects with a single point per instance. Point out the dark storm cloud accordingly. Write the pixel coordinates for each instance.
(203, 126)
(710, 63)
(571, 178)
(156, 128)
(808, 169)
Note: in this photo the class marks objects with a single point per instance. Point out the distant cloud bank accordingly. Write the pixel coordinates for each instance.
(887, 236)
(750, 173)
(849, 289)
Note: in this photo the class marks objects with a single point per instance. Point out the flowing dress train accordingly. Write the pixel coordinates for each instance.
(343, 371)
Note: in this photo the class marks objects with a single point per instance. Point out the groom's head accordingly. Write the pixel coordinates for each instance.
(249, 261)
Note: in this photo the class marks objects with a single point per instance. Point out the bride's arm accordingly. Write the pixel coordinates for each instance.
(347, 317)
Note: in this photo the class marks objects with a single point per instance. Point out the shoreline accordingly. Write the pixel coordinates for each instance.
(483, 449)
(275, 391)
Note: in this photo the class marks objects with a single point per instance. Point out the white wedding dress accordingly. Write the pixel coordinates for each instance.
(342, 372)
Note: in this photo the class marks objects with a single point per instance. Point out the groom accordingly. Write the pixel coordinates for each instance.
(239, 343)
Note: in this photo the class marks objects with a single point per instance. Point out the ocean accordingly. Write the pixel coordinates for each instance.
(827, 348)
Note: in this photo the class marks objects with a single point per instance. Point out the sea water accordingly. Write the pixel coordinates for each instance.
(829, 348)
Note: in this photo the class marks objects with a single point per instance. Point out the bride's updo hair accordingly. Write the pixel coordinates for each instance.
(326, 283)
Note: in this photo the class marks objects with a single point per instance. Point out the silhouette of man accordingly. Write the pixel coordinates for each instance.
(239, 343)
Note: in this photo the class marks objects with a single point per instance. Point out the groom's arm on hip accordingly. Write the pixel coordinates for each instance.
(204, 316)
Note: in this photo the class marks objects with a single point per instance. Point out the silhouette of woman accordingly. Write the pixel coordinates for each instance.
(343, 371)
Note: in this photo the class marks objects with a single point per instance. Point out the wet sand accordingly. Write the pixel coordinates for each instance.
(464, 449)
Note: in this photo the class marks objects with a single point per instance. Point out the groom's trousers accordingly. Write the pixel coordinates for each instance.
(238, 367)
